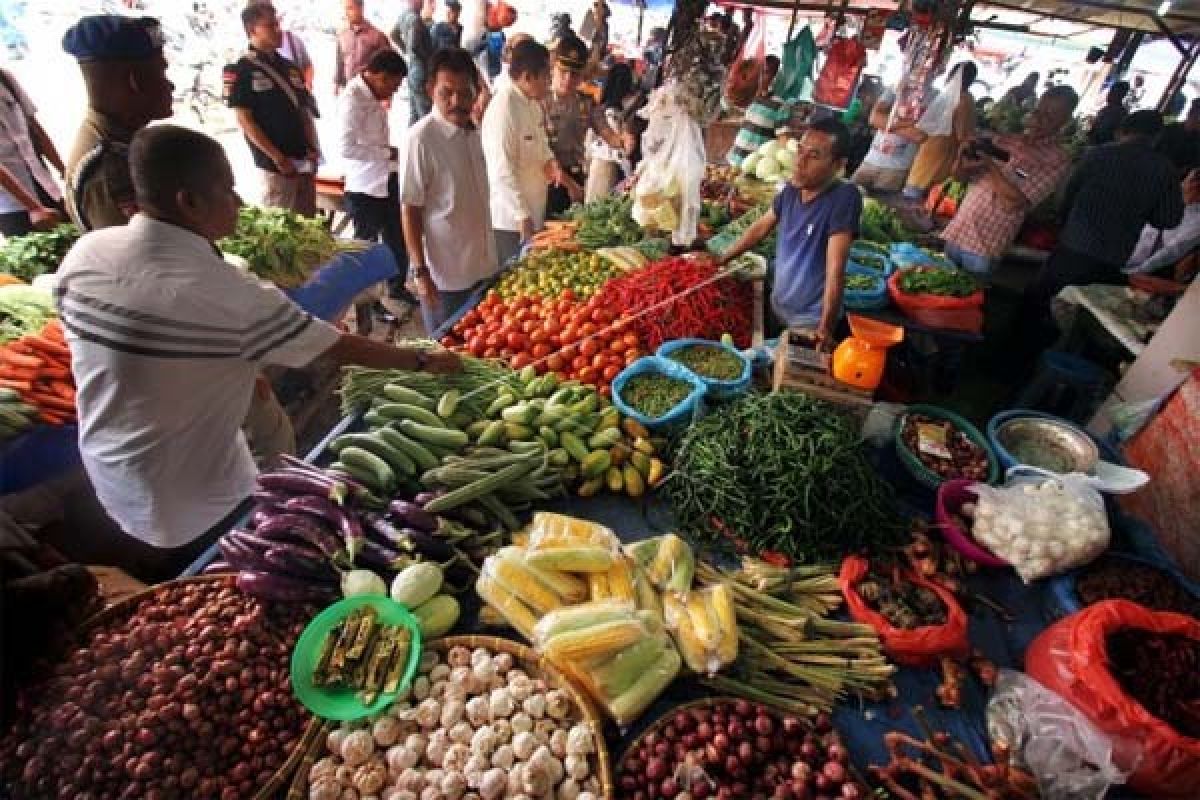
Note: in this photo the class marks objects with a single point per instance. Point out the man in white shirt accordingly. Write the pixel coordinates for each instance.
(365, 146)
(520, 164)
(166, 341)
(29, 197)
(447, 223)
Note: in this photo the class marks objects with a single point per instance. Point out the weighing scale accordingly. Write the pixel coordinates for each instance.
(847, 377)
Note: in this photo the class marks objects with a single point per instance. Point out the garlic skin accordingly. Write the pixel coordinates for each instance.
(453, 785)
(326, 787)
(580, 741)
(401, 757)
(494, 784)
(462, 733)
(456, 757)
(326, 766)
(429, 713)
(458, 656)
(480, 654)
(577, 767)
(483, 742)
(501, 704)
(386, 730)
(543, 757)
(435, 751)
(558, 704)
(474, 769)
(357, 747)
(417, 742)
(412, 780)
(478, 712)
(502, 663)
(587, 796)
(534, 705)
(521, 723)
(504, 731)
(504, 757)
(520, 686)
(535, 778)
(370, 778)
(432, 793)
(452, 713)
(524, 744)
(558, 743)
(333, 742)
(543, 729)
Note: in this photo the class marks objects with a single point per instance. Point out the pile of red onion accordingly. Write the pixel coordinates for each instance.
(736, 749)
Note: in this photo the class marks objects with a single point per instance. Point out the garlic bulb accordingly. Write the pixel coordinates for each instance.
(386, 730)
(494, 784)
(429, 660)
(370, 778)
(501, 703)
(558, 743)
(568, 790)
(432, 793)
(357, 747)
(333, 742)
(504, 757)
(474, 769)
(462, 732)
(521, 686)
(326, 787)
(411, 779)
(429, 713)
(439, 673)
(453, 785)
(456, 756)
(402, 757)
(558, 704)
(452, 713)
(417, 742)
(502, 663)
(483, 741)
(535, 778)
(534, 705)
(577, 767)
(326, 766)
(480, 654)
(543, 728)
(504, 731)
(521, 722)
(420, 687)
(580, 741)
(458, 656)
(523, 745)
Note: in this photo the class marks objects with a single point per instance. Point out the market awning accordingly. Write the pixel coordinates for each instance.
(1180, 17)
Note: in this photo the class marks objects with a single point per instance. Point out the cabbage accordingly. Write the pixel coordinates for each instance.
(768, 170)
(793, 145)
(769, 149)
(750, 163)
(786, 159)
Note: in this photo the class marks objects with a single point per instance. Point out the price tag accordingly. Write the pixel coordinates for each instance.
(931, 439)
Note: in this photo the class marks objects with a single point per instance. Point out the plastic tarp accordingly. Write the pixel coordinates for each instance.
(332, 288)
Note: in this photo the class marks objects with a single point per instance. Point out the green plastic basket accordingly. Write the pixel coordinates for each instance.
(344, 704)
(924, 475)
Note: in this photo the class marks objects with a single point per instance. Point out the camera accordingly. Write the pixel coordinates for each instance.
(986, 147)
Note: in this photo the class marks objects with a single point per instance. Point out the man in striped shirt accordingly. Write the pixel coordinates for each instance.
(166, 341)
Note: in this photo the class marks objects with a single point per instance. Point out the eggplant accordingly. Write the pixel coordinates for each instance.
(345, 522)
(379, 557)
(411, 515)
(259, 544)
(242, 555)
(218, 567)
(303, 562)
(280, 588)
(295, 465)
(285, 525)
(409, 540)
(266, 498)
(294, 482)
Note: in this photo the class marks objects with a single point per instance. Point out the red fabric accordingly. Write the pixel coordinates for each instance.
(835, 85)
(1071, 658)
(742, 83)
(918, 647)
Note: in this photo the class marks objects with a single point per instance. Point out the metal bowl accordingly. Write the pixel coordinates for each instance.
(1046, 443)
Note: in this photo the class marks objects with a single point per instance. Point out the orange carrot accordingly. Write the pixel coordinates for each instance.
(49, 372)
(51, 402)
(51, 418)
(54, 331)
(62, 389)
(11, 356)
(47, 347)
(16, 372)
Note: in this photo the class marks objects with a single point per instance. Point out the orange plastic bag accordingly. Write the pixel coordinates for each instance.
(1071, 658)
(839, 77)
(742, 83)
(916, 647)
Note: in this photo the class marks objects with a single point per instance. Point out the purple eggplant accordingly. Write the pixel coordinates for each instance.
(280, 588)
(411, 515)
(345, 522)
(266, 498)
(408, 540)
(303, 562)
(296, 465)
(284, 526)
(242, 555)
(294, 482)
(425, 498)
(218, 567)
(259, 544)
(380, 558)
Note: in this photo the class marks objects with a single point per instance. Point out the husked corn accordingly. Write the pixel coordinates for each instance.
(513, 575)
(630, 704)
(615, 676)
(598, 586)
(620, 579)
(585, 615)
(726, 615)
(595, 642)
(704, 622)
(512, 609)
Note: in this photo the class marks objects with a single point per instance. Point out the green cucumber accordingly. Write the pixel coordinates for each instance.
(520, 414)
(477, 428)
(559, 457)
(494, 434)
(368, 468)
(374, 419)
(404, 411)
(573, 445)
(419, 453)
(397, 459)
(433, 434)
(605, 439)
(549, 436)
(502, 401)
(596, 464)
(448, 404)
(402, 394)
(518, 433)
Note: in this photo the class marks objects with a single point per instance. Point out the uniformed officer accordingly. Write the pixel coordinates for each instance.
(123, 67)
(275, 112)
(569, 116)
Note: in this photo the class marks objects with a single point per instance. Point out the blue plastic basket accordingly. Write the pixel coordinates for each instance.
(1061, 598)
(865, 299)
(683, 414)
(715, 386)
(871, 259)
(905, 254)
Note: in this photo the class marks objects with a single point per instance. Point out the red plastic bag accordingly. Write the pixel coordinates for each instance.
(938, 311)
(838, 78)
(916, 647)
(742, 83)
(1071, 658)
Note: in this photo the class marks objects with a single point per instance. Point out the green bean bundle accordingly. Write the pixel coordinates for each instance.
(785, 473)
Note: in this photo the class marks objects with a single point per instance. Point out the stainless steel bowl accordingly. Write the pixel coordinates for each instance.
(1048, 444)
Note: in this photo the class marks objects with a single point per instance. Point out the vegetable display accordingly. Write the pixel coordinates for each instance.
(1160, 671)
(549, 272)
(24, 310)
(710, 361)
(1111, 577)
(187, 695)
(881, 224)
(654, 394)
(474, 720)
(37, 368)
(902, 603)
(943, 448)
(734, 748)
(38, 253)
(734, 230)
(783, 473)
(606, 222)
(282, 246)
(937, 281)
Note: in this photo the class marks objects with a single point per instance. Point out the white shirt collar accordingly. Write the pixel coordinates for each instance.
(449, 129)
(172, 234)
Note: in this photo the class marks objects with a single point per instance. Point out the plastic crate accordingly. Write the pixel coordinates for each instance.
(871, 259)
(715, 386)
(925, 476)
(681, 415)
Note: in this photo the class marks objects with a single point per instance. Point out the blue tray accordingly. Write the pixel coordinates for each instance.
(691, 407)
(38, 455)
(866, 299)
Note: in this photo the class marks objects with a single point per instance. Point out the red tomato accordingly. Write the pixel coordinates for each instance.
(589, 347)
(601, 317)
(632, 356)
(477, 346)
(617, 345)
(491, 352)
(579, 363)
(569, 352)
(515, 341)
(587, 329)
(539, 335)
(521, 360)
(600, 360)
(495, 340)
(611, 372)
(556, 362)
(588, 374)
(541, 350)
(631, 340)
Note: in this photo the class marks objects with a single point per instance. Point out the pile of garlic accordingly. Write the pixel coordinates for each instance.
(1042, 528)
(474, 727)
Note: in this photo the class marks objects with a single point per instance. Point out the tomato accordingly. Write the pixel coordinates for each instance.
(601, 316)
(569, 333)
(477, 346)
(611, 372)
(491, 352)
(569, 352)
(632, 356)
(521, 360)
(617, 345)
(589, 347)
(495, 340)
(556, 362)
(579, 363)
(587, 329)
(600, 360)
(588, 374)
(539, 335)
(515, 340)
(631, 340)
(541, 350)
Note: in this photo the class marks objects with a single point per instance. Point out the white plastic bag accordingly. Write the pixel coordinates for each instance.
(1043, 526)
(1068, 755)
(938, 119)
(667, 196)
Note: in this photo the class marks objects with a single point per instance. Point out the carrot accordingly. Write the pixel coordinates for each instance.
(54, 331)
(48, 347)
(11, 356)
(63, 389)
(20, 386)
(51, 418)
(51, 372)
(51, 402)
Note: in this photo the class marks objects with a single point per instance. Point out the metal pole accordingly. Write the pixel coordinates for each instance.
(1179, 76)
(792, 24)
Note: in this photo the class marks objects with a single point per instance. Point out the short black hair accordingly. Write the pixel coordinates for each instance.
(529, 58)
(167, 159)
(1147, 123)
(1060, 91)
(454, 60)
(838, 134)
(255, 13)
(1119, 89)
(387, 61)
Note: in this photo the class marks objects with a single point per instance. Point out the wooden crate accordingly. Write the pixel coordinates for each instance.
(799, 367)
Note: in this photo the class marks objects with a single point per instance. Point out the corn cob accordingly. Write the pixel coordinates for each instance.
(704, 622)
(616, 675)
(648, 598)
(572, 559)
(595, 642)
(570, 589)
(585, 615)
(644, 551)
(598, 588)
(620, 579)
(630, 704)
(679, 621)
(721, 602)
(673, 565)
(511, 573)
(513, 610)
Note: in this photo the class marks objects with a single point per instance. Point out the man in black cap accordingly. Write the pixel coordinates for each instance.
(569, 116)
(123, 67)
(447, 35)
(275, 112)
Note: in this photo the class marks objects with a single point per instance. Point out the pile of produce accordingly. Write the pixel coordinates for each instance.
(733, 748)
(881, 224)
(734, 230)
(943, 448)
(557, 235)
(772, 162)
(653, 394)
(363, 654)
(606, 222)
(549, 272)
(23, 310)
(37, 369)
(187, 695)
(863, 283)
(281, 246)
(624, 258)
(902, 603)
(584, 341)
(474, 721)
(677, 298)
(1162, 672)
(710, 361)
(16, 416)
(937, 281)
(1110, 577)
(38, 253)
(781, 472)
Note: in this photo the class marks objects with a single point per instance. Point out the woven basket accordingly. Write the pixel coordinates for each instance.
(922, 473)
(126, 606)
(534, 664)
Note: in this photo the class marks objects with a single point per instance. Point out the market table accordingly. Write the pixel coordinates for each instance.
(1110, 306)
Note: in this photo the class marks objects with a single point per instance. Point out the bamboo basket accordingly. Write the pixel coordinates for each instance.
(662, 721)
(533, 663)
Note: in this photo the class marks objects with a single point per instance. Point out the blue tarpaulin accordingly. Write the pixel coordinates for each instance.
(332, 288)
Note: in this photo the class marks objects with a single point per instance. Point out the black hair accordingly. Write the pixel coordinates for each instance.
(167, 159)
(773, 61)
(1119, 89)
(1147, 123)
(838, 134)
(387, 61)
(617, 86)
(969, 72)
(255, 13)
(529, 58)
(456, 61)
(1060, 91)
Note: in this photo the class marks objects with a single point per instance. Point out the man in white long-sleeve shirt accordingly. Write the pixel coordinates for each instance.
(365, 146)
(520, 164)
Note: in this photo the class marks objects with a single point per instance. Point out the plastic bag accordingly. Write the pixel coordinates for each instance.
(1041, 526)
(917, 647)
(938, 119)
(667, 196)
(1071, 658)
(1070, 757)
(794, 81)
(839, 76)
(704, 625)
(566, 544)
(741, 85)
(688, 409)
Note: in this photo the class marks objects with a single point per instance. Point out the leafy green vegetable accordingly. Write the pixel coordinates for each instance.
(282, 246)
(881, 224)
(731, 232)
(23, 309)
(38, 253)
(933, 280)
(607, 222)
(862, 283)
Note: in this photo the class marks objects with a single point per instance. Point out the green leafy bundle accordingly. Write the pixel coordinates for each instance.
(282, 246)
(38, 253)
(881, 224)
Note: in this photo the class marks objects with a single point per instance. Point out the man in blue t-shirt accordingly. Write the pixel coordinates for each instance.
(817, 216)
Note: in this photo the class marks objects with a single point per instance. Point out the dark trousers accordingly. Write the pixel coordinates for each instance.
(558, 199)
(378, 219)
(1036, 329)
(18, 223)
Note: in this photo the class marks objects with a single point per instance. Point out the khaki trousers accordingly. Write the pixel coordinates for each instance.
(297, 192)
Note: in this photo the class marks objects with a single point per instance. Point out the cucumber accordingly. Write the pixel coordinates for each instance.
(520, 414)
(528, 374)
(448, 404)
(433, 434)
(477, 428)
(518, 433)
(605, 439)
(480, 488)
(368, 468)
(402, 394)
(374, 419)
(559, 457)
(552, 415)
(404, 411)
(397, 459)
(461, 418)
(419, 453)
(502, 401)
(611, 418)
(525, 448)
(573, 445)
(494, 434)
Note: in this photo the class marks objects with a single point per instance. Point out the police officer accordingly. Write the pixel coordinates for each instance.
(569, 116)
(123, 67)
(275, 112)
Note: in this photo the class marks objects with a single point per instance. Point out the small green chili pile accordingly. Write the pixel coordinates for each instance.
(861, 283)
(654, 394)
(710, 361)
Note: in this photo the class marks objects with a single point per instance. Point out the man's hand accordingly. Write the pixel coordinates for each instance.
(442, 361)
(554, 172)
(285, 166)
(43, 219)
(823, 338)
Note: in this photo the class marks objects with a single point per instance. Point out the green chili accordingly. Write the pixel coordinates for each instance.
(710, 361)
